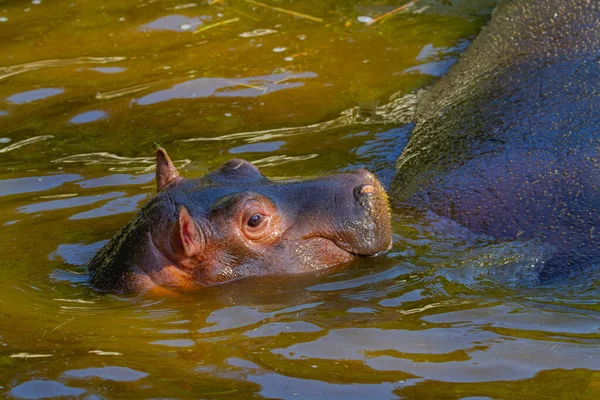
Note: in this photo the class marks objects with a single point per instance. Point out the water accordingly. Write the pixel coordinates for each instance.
(87, 90)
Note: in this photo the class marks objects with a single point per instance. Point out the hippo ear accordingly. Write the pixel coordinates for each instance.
(165, 170)
(186, 234)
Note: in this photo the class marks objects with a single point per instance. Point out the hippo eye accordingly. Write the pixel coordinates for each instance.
(258, 220)
(255, 220)
(257, 224)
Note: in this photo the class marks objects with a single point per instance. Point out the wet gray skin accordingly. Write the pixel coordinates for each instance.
(507, 143)
(234, 222)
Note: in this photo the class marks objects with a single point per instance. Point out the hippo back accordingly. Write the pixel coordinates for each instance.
(507, 143)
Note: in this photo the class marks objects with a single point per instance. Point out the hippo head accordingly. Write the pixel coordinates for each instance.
(234, 222)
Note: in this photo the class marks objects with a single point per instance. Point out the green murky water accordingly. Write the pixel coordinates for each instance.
(87, 88)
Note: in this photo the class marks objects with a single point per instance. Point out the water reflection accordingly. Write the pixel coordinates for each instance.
(240, 316)
(118, 374)
(118, 206)
(67, 203)
(280, 385)
(88, 116)
(275, 385)
(434, 68)
(222, 87)
(174, 342)
(278, 328)
(37, 389)
(177, 23)
(116, 180)
(77, 254)
(388, 275)
(411, 296)
(515, 318)
(257, 147)
(73, 277)
(434, 59)
(34, 95)
(35, 183)
(443, 315)
(479, 355)
(108, 70)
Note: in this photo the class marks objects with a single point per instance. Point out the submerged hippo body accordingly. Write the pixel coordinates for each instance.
(508, 142)
(234, 222)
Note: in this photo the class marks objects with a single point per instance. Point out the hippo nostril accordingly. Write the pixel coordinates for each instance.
(363, 194)
(363, 189)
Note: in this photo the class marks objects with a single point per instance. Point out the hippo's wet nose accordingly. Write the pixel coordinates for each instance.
(363, 189)
(368, 189)
(364, 193)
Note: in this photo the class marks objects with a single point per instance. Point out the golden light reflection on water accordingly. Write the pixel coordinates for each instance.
(87, 90)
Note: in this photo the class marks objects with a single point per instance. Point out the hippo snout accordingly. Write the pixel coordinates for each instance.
(364, 225)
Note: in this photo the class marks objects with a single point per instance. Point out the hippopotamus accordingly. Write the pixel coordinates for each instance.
(508, 143)
(234, 222)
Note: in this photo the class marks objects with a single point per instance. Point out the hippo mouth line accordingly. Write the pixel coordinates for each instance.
(345, 246)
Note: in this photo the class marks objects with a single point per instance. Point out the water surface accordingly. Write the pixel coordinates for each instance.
(87, 91)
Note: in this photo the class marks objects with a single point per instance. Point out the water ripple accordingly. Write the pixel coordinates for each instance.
(240, 316)
(38, 388)
(222, 87)
(25, 142)
(137, 164)
(34, 95)
(6, 72)
(118, 374)
(399, 110)
(35, 183)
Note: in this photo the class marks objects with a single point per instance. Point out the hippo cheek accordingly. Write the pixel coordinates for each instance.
(225, 266)
(306, 255)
